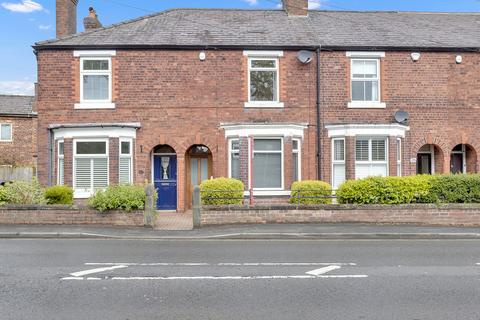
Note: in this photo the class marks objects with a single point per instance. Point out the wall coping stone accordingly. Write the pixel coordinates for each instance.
(78, 208)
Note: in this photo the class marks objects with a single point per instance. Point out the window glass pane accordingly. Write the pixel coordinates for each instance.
(358, 68)
(61, 179)
(204, 169)
(125, 170)
(267, 170)
(295, 167)
(378, 150)
(263, 85)
(235, 145)
(338, 175)
(6, 132)
(235, 165)
(371, 90)
(83, 173)
(95, 87)
(338, 150)
(295, 145)
(60, 148)
(399, 150)
(370, 68)
(358, 90)
(89, 65)
(361, 150)
(267, 145)
(92, 147)
(125, 149)
(100, 173)
(364, 69)
(194, 172)
(263, 63)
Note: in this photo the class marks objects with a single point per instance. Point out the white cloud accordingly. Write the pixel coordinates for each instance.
(251, 2)
(44, 27)
(314, 4)
(26, 6)
(17, 87)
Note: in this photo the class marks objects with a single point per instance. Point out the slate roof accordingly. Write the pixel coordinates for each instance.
(274, 28)
(16, 105)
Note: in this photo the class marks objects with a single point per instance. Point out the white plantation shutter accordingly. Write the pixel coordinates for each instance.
(379, 150)
(125, 169)
(61, 175)
(338, 163)
(371, 157)
(361, 150)
(83, 173)
(100, 173)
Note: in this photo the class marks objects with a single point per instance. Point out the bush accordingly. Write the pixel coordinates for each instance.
(59, 195)
(458, 188)
(121, 197)
(311, 192)
(22, 192)
(231, 191)
(387, 190)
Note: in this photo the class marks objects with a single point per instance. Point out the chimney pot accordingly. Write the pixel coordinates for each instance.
(91, 22)
(296, 7)
(66, 14)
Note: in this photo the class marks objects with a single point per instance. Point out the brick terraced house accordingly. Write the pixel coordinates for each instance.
(265, 96)
(18, 131)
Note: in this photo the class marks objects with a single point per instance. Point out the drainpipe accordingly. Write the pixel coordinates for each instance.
(319, 127)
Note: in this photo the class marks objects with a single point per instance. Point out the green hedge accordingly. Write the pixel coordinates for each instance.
(121, 197)
(311, 192)
(461, 188)
(21, 192)
(221, 191)
(59, 195)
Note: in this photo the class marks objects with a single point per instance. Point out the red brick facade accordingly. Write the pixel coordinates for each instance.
(181, 101)
(22, 149)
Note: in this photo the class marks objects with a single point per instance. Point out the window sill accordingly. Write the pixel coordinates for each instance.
(366, 105)
(94, 105)
(268, 193)
(267, 105)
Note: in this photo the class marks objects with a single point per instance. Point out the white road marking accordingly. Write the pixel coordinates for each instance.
(323, 270)
(478, 264)
(223, 264)
(239, 277)
(97, 270)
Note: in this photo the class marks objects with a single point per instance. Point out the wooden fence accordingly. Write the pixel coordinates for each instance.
(9, 173)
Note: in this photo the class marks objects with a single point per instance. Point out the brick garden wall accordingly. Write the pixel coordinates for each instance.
(65, 215)
(452, 214)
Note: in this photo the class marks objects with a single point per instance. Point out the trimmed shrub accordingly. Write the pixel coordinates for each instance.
(387, 190)
(59, 195)
(458, 188)
(22, 192)
(221, 191)
(311, 192)
(121, 197)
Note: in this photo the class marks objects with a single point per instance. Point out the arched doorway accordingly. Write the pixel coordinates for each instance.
(429, 159)
(463, 159)
(164, 162)
(199, 167)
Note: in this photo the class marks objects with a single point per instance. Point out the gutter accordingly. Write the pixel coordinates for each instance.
(319, 125)
(19, 115)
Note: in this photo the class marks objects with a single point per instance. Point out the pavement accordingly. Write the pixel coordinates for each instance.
(268, 231)
(120, 279)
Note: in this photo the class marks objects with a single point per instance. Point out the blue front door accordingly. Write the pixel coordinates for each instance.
(165, 179)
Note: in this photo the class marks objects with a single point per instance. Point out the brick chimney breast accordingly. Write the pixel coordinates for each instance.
(296, 7)
(66, 12)
(91, 22)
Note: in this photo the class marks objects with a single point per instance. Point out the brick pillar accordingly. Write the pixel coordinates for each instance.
(68, 161)
(350, 158)
(392, 156)
(113, 153)
(181, 182)
(244, 158)
(287, 162)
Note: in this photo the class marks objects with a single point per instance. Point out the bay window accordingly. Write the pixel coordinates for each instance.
(338, 162)
(90, 171)
(267, 163)
(125, 162)
(371, 157)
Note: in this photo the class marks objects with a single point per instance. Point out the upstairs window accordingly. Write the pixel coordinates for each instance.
(5, 132)
(96, 80)
(263, 80)
(365, 80)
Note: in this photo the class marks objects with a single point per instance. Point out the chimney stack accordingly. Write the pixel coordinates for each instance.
(91, 22)
(297, 8)
(66, 17)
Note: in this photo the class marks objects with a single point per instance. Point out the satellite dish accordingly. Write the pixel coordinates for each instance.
(305, 56)
(401, 116)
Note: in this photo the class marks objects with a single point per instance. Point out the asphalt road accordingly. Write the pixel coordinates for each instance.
(326, 279)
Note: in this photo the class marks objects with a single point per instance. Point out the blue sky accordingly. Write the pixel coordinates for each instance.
(23, 22)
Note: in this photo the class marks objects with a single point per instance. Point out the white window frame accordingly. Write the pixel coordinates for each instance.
(370, 161)
(337, 162)
(264, 104)
(96, 104)
(230, 151)
(252, 152)
(298, 151)
(60, 156)
(129, 156)
(81, 194)
(374, 104)
(399, 157)
(11, 132)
